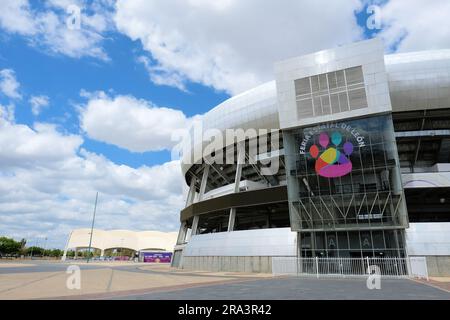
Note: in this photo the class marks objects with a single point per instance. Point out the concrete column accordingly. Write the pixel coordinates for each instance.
(204, 181)
(64, 257)
(237, 181)
(191, 193)
(240, 163)
(195, 225)
(313, 244)
(102, 253)
(232, 219)
(76, 253)
(182, 233)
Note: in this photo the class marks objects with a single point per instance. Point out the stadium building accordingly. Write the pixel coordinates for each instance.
(350, 159)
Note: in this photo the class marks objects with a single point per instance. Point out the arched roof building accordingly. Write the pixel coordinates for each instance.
(134, 240)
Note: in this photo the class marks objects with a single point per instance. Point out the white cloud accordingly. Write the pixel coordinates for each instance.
(40, 146)
(7, 112)
(38, 103)
(9, 85)
(47, 28)
(232, 45)
(161, 76)
(15, 17)
(130, 123)
(416, 24)
(48, 185)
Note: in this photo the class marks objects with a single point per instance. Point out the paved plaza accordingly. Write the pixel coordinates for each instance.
(125, 280)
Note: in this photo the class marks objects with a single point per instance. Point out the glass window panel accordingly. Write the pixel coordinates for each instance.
(315, 84)
(323, 84)
(302, 86)
(317, 106)
(326, 109)
(340, 79)
(354, 75)
(334, 100)
(343, 101)
(304, 108)
(357, 99)
(332, 81)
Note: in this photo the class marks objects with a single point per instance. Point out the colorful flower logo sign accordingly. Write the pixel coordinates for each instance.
(333, 152)
(331, 162)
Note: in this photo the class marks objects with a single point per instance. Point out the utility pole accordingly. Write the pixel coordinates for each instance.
(92, 229)
(45, 245)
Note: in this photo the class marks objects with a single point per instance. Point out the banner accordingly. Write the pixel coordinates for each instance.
(157, 257)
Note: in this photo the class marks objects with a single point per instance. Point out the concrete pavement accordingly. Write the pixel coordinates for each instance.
(48, 280)
(125, 280)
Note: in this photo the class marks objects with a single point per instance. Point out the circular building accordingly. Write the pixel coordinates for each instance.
(346, 155)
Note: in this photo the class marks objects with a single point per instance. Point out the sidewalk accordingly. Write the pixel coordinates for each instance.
(107, 280)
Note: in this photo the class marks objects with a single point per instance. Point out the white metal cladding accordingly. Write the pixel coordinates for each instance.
(102, 239)
(426, 180)
(417, 81)
(253, 109)
(428, 239)
(370, 96)
(261, 242)
(418, 267)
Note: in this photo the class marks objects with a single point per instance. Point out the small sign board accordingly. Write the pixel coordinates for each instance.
(157, 257)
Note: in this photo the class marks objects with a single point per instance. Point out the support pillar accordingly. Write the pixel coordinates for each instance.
(232, 219)
(102, 253)
(237, 180)
(64, 257)
(203, 183)
(76, 254)
(191, 194)
(240, 163)
(182, 233)
(195, 225)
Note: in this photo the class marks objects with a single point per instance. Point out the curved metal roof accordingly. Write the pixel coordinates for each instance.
(417, 81)
(102, 239)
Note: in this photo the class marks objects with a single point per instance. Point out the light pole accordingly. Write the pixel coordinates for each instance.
(92, 228)
(31, 253)
(45, 245)
(36, 245)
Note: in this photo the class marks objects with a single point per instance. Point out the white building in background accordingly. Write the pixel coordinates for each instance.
(364, 165)
(115, 239)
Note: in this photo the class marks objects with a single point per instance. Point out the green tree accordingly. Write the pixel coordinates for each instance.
(9, 246)
(34, 251)
(54, 253)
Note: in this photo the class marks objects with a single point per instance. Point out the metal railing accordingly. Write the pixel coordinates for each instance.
(343, 267)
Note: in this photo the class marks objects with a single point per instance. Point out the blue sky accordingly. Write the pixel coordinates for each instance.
(108, 96)
(61, 79)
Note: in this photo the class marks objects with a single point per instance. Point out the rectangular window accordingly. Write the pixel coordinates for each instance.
(330, 93)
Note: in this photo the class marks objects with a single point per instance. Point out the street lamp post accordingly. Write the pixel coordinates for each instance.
(45, 246)
(92, 228)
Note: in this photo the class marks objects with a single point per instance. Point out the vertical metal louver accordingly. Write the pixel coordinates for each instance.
(330, 93)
